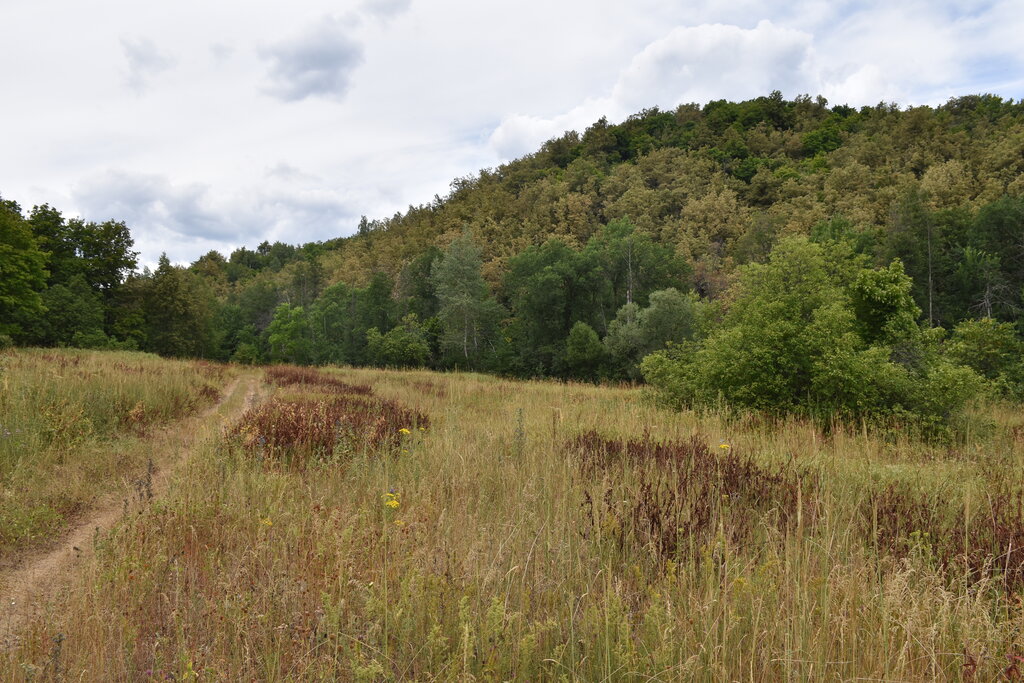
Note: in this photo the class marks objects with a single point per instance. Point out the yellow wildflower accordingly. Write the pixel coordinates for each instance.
(266, 522)
(403, 430)
(724, 446)
(391, 500)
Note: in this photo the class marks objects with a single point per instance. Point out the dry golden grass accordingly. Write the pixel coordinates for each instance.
(74, 425)
(484, 548)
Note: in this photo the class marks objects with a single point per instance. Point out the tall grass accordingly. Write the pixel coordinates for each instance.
(72, 424)
(545, 531)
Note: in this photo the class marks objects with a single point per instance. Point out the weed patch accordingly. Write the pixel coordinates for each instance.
(682, 494)
(298, 430)
(904, 521)
(289, 375)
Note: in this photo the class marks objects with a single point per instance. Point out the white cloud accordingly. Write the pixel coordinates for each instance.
(385, 8)
(713, 61)
(221, 51)
(319, 61)
(689, 64)
(144, 62)
(398, 97)
(151, 199)
(185, 220)
(860, 85)
(856, 53)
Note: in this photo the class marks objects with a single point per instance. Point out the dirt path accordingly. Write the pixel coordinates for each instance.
(27, 588)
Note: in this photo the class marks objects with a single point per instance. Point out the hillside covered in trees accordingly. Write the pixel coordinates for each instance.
(578, 261)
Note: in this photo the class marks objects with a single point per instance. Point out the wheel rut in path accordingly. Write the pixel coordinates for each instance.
(27, 588)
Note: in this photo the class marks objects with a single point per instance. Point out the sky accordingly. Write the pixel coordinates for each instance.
(215, 125)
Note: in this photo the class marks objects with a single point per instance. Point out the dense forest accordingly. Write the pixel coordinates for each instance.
(882, 248)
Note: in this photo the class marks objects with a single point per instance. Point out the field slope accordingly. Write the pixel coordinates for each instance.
(384, 525)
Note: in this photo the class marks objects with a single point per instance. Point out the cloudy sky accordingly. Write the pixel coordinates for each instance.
(212, 125)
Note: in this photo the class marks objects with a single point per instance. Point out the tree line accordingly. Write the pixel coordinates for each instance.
(582, 259)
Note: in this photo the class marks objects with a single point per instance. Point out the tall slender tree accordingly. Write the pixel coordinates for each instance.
(469, 316)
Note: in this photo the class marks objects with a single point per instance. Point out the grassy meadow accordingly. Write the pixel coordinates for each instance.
(373, 525)
(74, 424)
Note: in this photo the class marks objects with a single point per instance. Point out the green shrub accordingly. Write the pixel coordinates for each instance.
(584, 353)
(403, 346)
(814, 332)
(993, 350)
(246, 354)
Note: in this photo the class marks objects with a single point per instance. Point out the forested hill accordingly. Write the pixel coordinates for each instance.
(719, 183)
(576, 260)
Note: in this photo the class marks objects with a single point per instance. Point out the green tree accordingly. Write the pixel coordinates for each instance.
(341, 316)
(631, 265)
(468, 315)
(993, 350)
(305, 281)
(548, 288)
(105, 250)
(885, 308)
(179, 311)
(999, 229)
(912, 237)
(584, 353)
(625, 342)
(982, 284)
(54, 235)
(244, 314)
(374, 306)
(332, 318)
(405, 345)
(792, 343)
(672, 317)
(126, 311)
(826, 138)
(415, 287)
(290, 336)
(73, 311)
(22, 271)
